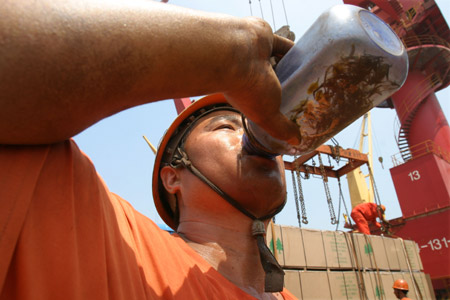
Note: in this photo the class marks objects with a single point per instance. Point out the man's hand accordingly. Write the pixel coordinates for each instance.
(385, 228)
(258, 92)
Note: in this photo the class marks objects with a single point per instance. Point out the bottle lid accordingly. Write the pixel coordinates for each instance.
(381, 33)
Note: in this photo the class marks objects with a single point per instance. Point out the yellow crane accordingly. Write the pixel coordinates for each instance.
(360, 191)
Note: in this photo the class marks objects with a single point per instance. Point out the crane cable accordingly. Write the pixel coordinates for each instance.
(374, 186)
(386, 226)
(271, 7)
(273, 16)
(377, 275)
(408, 263)
(260, 7)
(285, 14)
(341, 200)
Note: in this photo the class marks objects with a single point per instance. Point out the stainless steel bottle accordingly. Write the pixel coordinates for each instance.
(347, 62)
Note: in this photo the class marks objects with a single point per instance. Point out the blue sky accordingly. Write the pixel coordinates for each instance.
(125, 162)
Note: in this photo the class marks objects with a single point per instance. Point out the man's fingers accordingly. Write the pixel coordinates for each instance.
(284, 129)
(275, 124)
(259, 99)
(281, 45)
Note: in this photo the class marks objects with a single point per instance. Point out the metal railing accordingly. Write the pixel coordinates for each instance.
(415, 96)
(407, 108)
(420, 40)
(422, 149)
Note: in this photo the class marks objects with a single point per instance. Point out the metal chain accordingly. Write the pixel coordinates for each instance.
(296, 199)
(302, 199)
(327, 191)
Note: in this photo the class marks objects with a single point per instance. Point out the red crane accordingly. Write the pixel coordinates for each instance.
(421, 173)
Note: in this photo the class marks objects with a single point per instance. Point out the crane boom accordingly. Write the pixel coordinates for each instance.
(359, 190)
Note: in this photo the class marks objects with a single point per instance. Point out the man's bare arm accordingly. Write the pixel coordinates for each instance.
(65, 65)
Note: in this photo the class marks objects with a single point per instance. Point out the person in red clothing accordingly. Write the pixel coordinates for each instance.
(364, 213)
(401, 289)
(65, 65)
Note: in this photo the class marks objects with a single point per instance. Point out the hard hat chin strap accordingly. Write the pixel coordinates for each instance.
(274, 279)
(274, 273)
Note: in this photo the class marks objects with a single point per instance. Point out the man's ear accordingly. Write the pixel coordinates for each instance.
(171, 179)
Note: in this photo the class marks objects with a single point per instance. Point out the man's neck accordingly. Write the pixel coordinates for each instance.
(229, 249)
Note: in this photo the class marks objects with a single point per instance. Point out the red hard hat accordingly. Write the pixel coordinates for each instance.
(401, 284)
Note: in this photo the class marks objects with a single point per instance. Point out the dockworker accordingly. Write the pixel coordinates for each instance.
(367, 212)
(64, 65)
(401, 289)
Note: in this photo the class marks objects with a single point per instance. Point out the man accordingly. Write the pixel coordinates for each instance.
(203, 204)
(367, 212)
(65, 65)
(401, 289)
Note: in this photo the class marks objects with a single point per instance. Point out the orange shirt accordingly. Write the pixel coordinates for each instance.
(64, 235)
(369, 211)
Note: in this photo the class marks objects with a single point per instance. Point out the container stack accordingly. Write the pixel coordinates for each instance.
(346, 266)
